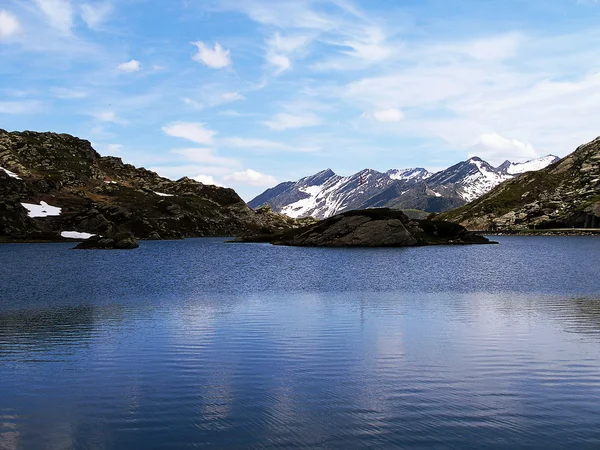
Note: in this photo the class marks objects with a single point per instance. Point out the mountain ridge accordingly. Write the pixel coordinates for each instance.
(55, 185)
(565, 194)
(325, 193)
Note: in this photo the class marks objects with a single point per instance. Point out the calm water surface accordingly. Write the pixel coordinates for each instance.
(201, 343)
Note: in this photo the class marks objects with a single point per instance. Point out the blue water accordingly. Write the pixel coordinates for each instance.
(201, 343)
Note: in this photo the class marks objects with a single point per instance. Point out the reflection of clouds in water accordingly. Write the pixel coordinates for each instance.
(209, 380)
(302, 368)
(511, 350)
(9, 432)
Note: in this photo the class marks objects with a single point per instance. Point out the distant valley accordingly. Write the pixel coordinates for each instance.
(326, 194)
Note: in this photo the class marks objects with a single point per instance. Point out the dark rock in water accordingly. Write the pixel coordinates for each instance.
(122, 241)
(381, 227)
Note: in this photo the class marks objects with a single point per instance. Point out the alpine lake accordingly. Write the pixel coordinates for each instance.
(200, 343)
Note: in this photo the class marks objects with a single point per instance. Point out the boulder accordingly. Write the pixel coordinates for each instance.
(121, 241)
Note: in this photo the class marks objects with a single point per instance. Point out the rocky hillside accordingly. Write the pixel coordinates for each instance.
(326, 194)
(563, 195)
(56, 184)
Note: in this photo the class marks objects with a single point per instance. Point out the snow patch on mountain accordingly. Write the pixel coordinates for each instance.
(10, 174)
(481, 180)
(41, 210)
(409, 174)
(528, 166)
(76, 235)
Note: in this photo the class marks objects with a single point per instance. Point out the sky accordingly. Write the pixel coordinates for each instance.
(249, 93)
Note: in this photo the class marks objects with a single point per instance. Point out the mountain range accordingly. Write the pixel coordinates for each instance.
(326, 194)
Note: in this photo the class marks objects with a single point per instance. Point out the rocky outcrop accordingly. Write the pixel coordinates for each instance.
(105, 196)
(381, 227)
(122, 241)
(565, 194)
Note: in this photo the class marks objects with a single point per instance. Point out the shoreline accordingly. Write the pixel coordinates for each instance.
(547, 232)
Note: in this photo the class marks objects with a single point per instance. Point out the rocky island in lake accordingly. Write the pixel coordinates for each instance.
(380, 227)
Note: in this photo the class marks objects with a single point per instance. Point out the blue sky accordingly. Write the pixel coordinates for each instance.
(247, 93)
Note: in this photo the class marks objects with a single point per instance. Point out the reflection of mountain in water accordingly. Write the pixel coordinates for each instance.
(27, 332)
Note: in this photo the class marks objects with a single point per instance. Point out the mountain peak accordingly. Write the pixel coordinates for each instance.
(325, 194)
(327, 172)
(475, 159)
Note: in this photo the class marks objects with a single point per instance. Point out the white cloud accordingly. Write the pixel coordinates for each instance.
(58, 12)
(93, 14)
(193, 103)
(107, 149)
(388, 115)
(192, 131)
(232, 96)
(251, 178)
(204, 156)
(206, 179)
(494, 47)
(23, 107)
(281, 62)
(69, 93)
(287, 44)
(283, 15)
(281, 48)
(129, 67)
(496, 149)
(106, 116)
(284, 121)
(216, 58)
(9, 25)
(114, 149)
(234, 113)
(252, 143)
(364, 45)
(264, 145)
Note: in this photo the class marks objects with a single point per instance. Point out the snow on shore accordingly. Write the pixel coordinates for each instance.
(162, 194)
(41, 210)
(76, 235)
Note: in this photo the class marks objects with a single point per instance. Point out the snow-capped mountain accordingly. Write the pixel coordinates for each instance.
(468, 179)
(416, 174)
(528, 166)
(326, 194)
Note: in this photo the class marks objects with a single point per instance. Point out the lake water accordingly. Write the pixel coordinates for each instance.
(202, 343)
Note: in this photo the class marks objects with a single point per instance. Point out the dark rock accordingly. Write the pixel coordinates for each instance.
(121, 241)
(381, 227)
